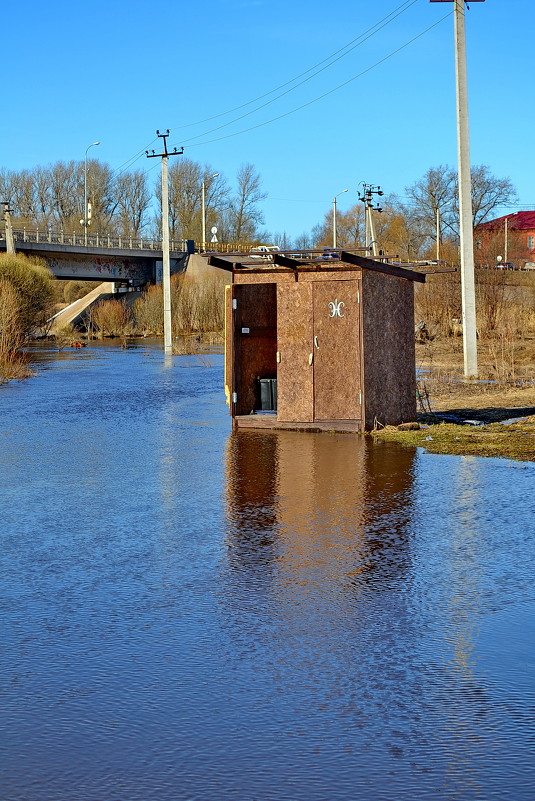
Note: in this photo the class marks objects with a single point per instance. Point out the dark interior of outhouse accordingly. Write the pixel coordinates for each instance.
(255, 347)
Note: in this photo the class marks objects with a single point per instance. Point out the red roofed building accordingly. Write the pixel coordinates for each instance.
(512, 237)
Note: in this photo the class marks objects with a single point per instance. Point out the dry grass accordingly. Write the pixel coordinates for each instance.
(514, 441)
(503, 359)
(508, 394)
(13, 361)
(197, 307)
(505, 303)
(112, 318)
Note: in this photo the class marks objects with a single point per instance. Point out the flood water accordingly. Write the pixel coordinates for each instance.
(194, 614)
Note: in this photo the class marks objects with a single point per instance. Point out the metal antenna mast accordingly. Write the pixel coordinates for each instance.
(368, 190)
(166, 265)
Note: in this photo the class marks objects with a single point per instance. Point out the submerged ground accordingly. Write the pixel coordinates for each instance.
(193, 613)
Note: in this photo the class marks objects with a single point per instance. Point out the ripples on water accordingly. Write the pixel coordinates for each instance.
(191, 613)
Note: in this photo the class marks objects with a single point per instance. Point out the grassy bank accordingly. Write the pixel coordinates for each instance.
(446, 402)
(512, 441)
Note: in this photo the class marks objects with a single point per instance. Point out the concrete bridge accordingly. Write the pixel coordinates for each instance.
(96, 257)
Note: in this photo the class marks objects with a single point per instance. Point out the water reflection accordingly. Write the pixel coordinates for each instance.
(332, 509)
(196, 614)
(334, 630)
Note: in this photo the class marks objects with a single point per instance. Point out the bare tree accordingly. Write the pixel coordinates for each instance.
(67, 193)
(349, 228)
(185, 178)
(101, 193)
(282, 240)
(437, 190)
(216, 197)
(488, 193)
(304, 241)
(133, 199)
(244, 214)
(18, 190)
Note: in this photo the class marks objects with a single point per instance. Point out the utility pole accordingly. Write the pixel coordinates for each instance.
(438, 234)
(203, 210)
(506, 243)
(368, 190)
(166, 261)
(10, 242)
(87, 209)
(468, 292)
(334, 214)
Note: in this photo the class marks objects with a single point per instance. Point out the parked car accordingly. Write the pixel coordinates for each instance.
(329, 254)
(264, 251)
(505, 265)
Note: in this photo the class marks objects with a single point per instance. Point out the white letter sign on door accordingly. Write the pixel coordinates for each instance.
(336, 308)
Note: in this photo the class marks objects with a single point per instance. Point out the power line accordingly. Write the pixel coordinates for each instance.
(348, 48)
(325, 94)
(375, 28)
(133, 158)
(360, 39)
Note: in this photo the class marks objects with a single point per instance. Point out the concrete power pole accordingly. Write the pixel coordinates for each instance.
(465, 199)
(465, 194)
(438, 234)
(10, 242)
(166, 272)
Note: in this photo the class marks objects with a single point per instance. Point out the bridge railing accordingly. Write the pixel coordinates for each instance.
(95, 240)
(225, 247)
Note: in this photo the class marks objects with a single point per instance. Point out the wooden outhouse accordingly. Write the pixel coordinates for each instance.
(319, 344)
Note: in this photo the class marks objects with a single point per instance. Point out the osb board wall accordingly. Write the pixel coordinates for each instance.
(264, 278)
(337, 365)
(255, 351)
(318, 275)
(295, 387)
(228, 344)
(388, 344)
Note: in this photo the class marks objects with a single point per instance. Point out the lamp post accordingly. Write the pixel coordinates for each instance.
(334, 214)
(203, 205)
(85, 191)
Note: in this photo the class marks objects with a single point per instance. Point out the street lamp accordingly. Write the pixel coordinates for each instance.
(203, 205)
(85, 192)
(334, 214)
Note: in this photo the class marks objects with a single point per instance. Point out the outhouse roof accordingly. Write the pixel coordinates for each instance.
(280, 262)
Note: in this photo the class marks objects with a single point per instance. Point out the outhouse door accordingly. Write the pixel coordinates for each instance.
(337, 379)
(318, 345)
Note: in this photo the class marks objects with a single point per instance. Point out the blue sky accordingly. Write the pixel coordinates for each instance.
(116, 71)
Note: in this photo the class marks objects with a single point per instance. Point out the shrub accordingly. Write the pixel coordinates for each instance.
(66, 335)
(13, 363)
(197, 306)
(34, 286)
(438, 302)
(112, 318)
(148, 311)
(74, 290)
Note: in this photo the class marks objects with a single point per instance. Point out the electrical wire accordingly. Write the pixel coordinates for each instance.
(132, 159)
(348, 48)
(325, 94)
